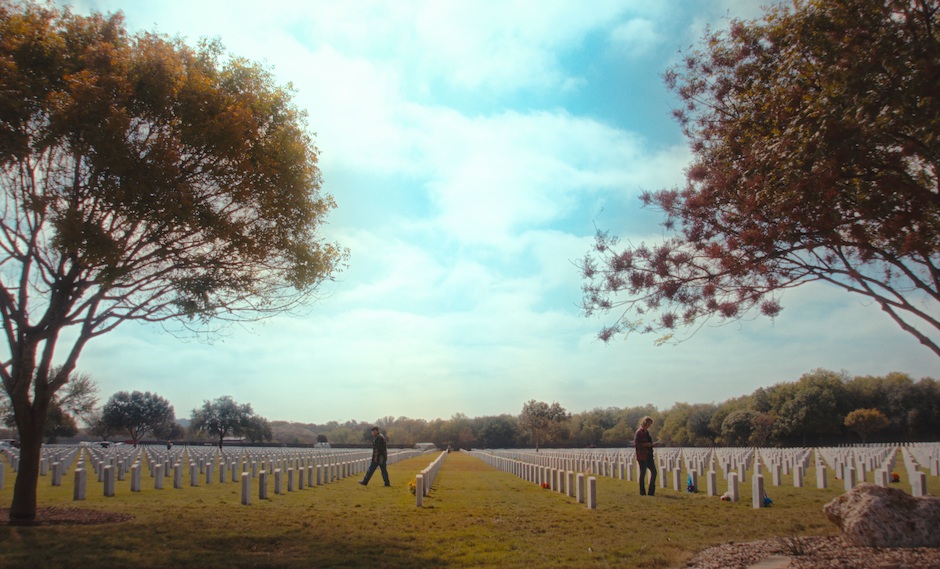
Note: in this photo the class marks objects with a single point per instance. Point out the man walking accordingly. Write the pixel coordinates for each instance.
(379, 457)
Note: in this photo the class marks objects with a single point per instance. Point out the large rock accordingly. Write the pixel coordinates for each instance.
(872, 516)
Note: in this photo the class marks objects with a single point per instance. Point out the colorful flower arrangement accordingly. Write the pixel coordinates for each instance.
(895, 477)
(545, 485)
(413, 486)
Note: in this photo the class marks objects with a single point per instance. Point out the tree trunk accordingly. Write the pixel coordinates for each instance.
(30, 420)
(25, 377)
(23, 508)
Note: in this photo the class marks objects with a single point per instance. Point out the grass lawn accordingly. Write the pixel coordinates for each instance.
(475, 516)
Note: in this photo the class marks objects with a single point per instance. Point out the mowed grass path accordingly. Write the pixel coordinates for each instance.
(475, 516)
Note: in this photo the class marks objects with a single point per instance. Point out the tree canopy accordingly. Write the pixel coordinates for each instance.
(137, 413)
(76, 400)
(865, 422)
(815, 158)
(59, 424)
(224, 417)
(541, 421)
(140, 180)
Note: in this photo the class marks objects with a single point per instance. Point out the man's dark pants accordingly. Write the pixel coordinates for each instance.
(371, 471)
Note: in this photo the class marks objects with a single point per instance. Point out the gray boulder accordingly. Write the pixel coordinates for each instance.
(872, 516)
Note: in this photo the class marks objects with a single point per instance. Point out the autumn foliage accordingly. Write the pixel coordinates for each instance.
(815, 158)
(140, 180)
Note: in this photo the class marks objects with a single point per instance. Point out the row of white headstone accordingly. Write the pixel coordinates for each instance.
(547, 474)
(850, 464)
(424, 480)
(548, 468)
(308, 467)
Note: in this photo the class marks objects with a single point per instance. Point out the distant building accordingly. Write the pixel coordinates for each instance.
(425, 447)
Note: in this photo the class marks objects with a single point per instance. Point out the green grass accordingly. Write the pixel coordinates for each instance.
(476, 516)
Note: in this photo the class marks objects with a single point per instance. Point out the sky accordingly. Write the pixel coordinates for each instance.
(473, 148)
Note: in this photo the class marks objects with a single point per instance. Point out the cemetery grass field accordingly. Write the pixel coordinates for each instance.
(475, 516)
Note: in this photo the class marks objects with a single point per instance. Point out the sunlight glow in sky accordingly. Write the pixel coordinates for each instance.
(472, 148)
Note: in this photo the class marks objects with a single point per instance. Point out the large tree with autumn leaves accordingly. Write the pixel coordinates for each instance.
(816, 157)
(140, 180)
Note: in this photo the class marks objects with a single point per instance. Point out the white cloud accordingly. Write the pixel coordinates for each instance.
(507, 45)
(386, 270)
(494, 176)
(635, 37)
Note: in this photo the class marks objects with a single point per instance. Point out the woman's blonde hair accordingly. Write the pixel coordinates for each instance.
(646, 420)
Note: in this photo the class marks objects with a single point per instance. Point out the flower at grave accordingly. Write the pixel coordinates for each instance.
(413, 486)
(545, 485)
(895, 477)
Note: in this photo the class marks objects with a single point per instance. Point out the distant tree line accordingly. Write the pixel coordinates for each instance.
(822, 408)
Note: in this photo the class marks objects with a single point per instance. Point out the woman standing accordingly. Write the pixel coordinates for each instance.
(643, 443)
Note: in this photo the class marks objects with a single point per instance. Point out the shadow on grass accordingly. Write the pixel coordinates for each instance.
(51, 547)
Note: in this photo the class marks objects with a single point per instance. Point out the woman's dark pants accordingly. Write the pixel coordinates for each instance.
(648, 464)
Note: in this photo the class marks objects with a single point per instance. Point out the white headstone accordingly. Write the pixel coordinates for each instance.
(135, 477)
(246, 488)
(822, 480)
(757, 491)
(592, 493)
(919, 484)
(109, 480)
(81, 479)
(881, 478)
